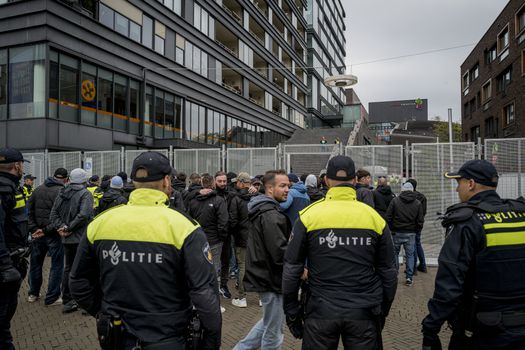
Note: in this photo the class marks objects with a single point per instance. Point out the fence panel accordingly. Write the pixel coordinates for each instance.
(508, 156)
(379, 160)
(430, 162)
(104, 162)
(254, 161)
(309, 159)
(132, 154)
(67, 160)
(197, 160)
(37, 167)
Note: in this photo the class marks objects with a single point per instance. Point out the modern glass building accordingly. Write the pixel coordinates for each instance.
(100, 75)
(326, 57)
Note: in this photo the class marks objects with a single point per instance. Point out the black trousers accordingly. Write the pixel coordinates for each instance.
(225, 260)
(322, 334)
(509, 339)
(8, 304)
(70, 250)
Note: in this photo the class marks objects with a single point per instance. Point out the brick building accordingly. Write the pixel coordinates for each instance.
(493, 79)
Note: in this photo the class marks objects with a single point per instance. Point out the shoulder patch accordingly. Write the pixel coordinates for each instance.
(207, 252)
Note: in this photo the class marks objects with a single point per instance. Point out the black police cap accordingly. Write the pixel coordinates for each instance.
(29, 177)
(11, 155)
(338, 163)
(481, 171)
(155, 164)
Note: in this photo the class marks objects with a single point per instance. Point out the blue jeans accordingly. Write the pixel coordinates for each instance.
(267, 334)
(419, 253)
(408, 241)
(40, 247)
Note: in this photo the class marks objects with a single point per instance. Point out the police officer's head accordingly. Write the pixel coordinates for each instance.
(152, 170)
(473, 177)
(276, 185)
(12, 162)
(340, 170)
(29, 180)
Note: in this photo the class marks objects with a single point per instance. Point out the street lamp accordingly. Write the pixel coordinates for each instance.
(342, 81)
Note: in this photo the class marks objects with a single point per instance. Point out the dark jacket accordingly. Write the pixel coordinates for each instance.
(73, 208)
(178, 185)
(239, 219)
(128, 188)
(383, 195)
(192, 192)
(211, 212)
(421, 197)
(297, 200)
(350, 257)
(405, 213)
(153, 280)
(13, 214)
(314, 193)
(266, 245)
(111, 198)
(364, 194)
(176, 201)
(480, 255)
(40, 205)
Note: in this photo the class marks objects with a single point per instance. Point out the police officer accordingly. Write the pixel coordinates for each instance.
(13, 239)
(93, 187)
(28, 185)
(142, 266)
(480, 289)
(352, 274)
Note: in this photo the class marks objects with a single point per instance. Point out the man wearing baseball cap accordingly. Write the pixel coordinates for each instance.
(13, 239)
(142, 266)
(28, 185)
(352, 274)
(480, 289)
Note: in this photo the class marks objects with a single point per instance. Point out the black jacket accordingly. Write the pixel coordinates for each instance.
(364, 194)
(314, 193)
(73, 208)
(128, 188)
(266, 245)
(383, 195)
(176, 201)
(421, 197)
(40, 205)
(239, 219)
(111, 198)
(211, 212)
(13, 213)
(192, 192)
(152, 280)
(480, 255)
(405, 213)
(178, 185)
(350, 258)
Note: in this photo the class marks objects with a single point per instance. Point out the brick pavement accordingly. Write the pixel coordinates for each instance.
(38, 327)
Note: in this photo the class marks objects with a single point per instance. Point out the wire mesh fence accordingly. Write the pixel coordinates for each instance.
(66, 160)
(429, 162)
(309, 159)
(254, 161)
(36, 167)
(197, 160)
(104, 162)
(508, 156)
(130, 156)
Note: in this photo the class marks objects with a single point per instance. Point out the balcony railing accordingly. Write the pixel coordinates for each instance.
(233, 14)
(234, 89)
(226, 47)
(261, 41)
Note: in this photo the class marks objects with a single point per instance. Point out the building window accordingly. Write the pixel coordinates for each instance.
(508, 114)
(520, 20)
(159, 114)
(135, 31)
(159, 44)
(147, 31)
(180, 43)
(486, 91)
(120, 23)
(503, 40)
(504, 79)
(173, 5)
(3, 84)
(120, 115)
(105, 98)
(490, 127)
(475, 133)
(88, 93)
(27, 78)
(490, 55)
(522, 63)
(465, 81)
(466, 109)
(474, 73)
(69, 88)
(106, 16)
(134, 106)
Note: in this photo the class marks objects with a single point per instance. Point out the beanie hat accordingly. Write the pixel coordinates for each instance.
(116, 182)
(78, 176)
(407, 186)
(293, 178)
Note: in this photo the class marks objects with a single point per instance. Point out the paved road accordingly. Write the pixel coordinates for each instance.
(38, 327)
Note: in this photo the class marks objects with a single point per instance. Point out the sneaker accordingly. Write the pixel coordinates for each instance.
(225, 292)
(222, 309)
(56, 302)
(260, 303)
(70, 306)
(409, 282)
(32, 298)
(239, 302)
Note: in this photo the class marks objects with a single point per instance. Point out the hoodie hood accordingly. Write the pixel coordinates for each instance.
(299, 187)
(202, 197)
(386, 190)
(261, 203)
(177, 184)
(194, 187)
(51, 181)
(407, 196)
(70, 190)
(311, 181)
(111, 195)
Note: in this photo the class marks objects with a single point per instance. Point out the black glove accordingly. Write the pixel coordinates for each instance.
(8, 273)
(295, 325)
(431, 341)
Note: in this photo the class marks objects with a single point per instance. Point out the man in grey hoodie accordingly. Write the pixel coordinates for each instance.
(71, 213)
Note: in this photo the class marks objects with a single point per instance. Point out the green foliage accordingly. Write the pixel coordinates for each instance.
(441, 130)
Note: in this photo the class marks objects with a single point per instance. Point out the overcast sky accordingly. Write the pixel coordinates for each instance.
(377, 29)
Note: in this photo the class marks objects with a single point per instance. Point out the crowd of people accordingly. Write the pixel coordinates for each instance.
(148, 256)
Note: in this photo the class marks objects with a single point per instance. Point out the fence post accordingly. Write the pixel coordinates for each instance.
(480, 148)
(122, 164)
(519, 167)
(224, 154)
(170, 156)
(407, 159)
(251, 161)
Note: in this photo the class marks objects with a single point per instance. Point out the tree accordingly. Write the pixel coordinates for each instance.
(440, 129)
